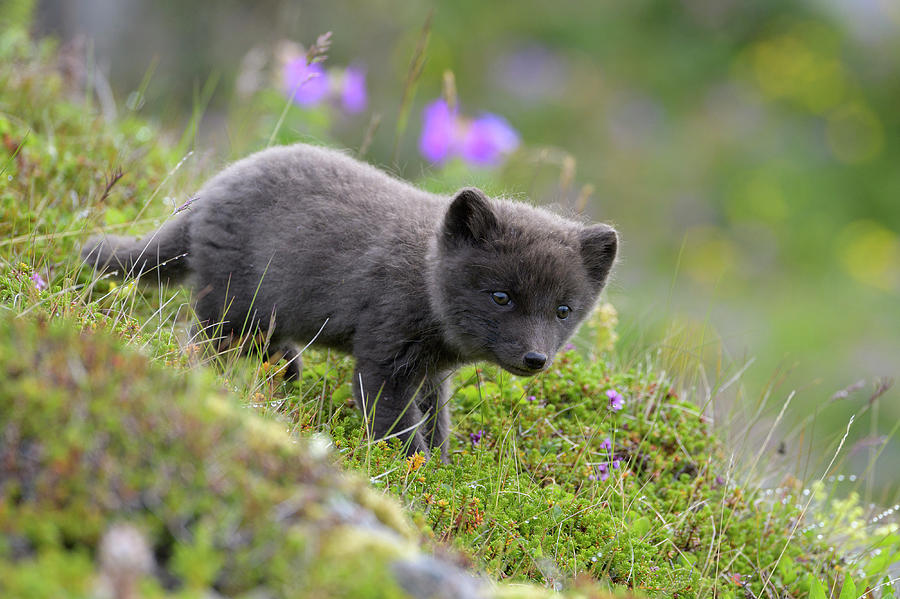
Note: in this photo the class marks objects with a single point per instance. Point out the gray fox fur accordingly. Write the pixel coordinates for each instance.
(304, 243)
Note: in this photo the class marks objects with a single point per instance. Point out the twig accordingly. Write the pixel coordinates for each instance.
(369, 135)
(111, 180)
(882, 385)
(186, 205)
(846, 391)
(318, 52)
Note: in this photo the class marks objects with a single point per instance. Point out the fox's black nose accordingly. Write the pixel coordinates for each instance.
(534, 360)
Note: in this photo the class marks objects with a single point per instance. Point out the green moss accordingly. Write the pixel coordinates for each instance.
(359, 564)
(524, 495)
(93, 436)
(49, 574)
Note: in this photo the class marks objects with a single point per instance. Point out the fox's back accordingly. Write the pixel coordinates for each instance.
(313, 235)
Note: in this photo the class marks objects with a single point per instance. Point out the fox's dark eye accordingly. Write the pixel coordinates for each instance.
(501, 298)
(562, 312)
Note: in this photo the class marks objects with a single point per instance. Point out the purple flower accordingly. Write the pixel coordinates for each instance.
(39, 283)
(616, 401)
(570, 346)
(607, 444)
(487, 139)
(353, 95)
(616, 463)
(480, 142)
(603, 469)
(438, 131)
(305, 84)
(476, 437)
(532, 398)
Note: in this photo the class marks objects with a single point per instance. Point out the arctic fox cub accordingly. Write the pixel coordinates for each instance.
(305, 243)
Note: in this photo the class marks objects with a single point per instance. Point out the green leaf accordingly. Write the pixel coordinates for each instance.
(641, 526)
(888, 590)
(787, 569)
(341, 394)
(816, 590)
(880, 562)
(891, 540)
(848, 591)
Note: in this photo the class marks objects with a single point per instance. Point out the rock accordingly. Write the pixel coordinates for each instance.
(425, 577)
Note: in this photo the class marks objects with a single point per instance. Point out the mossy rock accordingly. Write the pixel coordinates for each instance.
(99, 446)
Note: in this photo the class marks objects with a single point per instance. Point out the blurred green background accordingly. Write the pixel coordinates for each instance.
(749, 153)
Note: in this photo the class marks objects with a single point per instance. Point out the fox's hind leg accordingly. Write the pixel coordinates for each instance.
(211, 328)
(219, 329)
(294, 363)
(291, 355)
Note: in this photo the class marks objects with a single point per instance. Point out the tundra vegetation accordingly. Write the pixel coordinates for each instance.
(130, 467)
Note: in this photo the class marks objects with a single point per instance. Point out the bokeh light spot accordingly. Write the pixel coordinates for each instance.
(870, 253)
(802, 67)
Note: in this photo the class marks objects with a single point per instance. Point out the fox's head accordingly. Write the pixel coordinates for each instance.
(511, 283)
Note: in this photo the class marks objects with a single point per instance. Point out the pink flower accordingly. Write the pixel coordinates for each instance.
(438, 137)
(480, 142)
(305, 84)
(353, 93)
(39, 283)
(616, 401)
(487, 139)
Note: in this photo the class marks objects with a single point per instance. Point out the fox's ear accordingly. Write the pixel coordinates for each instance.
(469, 218)
(598, 251)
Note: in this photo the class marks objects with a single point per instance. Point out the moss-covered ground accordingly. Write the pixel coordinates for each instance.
(591, 476)
(94, 437)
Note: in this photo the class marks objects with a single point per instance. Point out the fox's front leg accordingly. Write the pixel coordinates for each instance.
(432, 400)
(390, 405)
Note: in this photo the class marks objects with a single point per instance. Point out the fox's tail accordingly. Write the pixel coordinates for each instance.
(161, 254)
